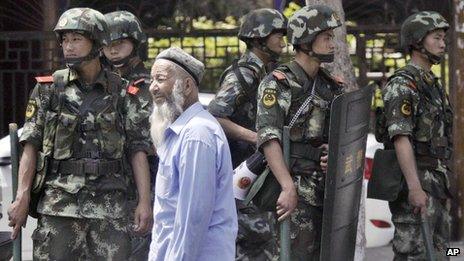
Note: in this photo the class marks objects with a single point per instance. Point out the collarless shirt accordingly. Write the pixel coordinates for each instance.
(194, 210)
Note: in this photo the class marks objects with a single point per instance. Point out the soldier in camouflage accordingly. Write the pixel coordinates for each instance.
(235, 108)
(78, 124)
(301, 87)
(122, 53)
(418, 125)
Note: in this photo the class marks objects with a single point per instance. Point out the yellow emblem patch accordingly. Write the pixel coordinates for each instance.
(406, 108)
(269, 98)
(31, 109)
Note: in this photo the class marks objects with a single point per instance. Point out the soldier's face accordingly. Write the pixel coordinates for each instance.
(276, 42)
(324, 43)
(163, 77)
(434, 42)
(75, 45)
(118, 49)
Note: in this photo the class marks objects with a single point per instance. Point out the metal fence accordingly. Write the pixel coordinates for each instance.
(24, 55)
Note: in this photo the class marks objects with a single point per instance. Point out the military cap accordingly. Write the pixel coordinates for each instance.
(123, 24)
(87, 20)
(187, 62)
(309, 21)
(261, 23)
(418, 25)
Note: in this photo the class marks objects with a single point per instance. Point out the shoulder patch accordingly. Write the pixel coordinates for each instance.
(406, 108)
(269, 98)
(279, 75)
(31, 109)
(412, 86)
(44, 79)
(133, 89)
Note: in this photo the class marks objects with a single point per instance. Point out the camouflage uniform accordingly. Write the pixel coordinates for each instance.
(124, 25)
(416, 105)
(280, 96)
(84, 130)
(236, 101)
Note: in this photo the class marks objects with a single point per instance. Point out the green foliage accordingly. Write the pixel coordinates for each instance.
(216, 52)
(291, 9)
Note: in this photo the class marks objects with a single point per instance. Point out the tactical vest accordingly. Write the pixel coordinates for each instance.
(92, 130)
(311, 129)
(429, 138)
(313, 124)
(241, 150)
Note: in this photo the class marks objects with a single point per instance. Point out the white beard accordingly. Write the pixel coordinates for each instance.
(166, 113)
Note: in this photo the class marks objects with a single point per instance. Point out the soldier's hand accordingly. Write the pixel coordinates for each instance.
(143, 218)
(17, 215)
(286, 203)
(324, 158)
(324, 163)
(418, 199)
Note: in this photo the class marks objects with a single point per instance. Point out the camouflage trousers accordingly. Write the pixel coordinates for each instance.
(256, 238)
(67, 238)
(408, 242)
(306, 220)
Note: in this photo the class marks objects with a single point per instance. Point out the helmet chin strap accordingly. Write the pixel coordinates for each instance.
(273, 56)
(432, 58)
(123, 62)
(323, 58)
(74, 63)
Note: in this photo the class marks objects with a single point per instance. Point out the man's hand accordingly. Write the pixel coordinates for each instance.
(17, 214)
(418, 199)
(143, 218)
(324, 158)
(286, 203)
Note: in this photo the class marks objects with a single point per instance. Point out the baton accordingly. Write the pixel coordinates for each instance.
(426, 236)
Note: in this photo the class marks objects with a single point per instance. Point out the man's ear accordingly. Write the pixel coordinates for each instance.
(189, 86)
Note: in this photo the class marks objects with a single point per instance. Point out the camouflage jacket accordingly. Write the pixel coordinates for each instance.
(280, 96)
(417, 105)
(232, 101)
(66, 126)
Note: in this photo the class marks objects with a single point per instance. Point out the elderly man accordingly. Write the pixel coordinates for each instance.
(194, 210)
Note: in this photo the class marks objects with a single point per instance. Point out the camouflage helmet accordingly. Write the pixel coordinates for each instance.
(261, 23)
(87, 20)
(123, 24)
(309, 21)
(418, 25)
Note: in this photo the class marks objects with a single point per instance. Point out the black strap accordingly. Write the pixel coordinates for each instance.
(306, 151)
(246, 87)
(85, 166)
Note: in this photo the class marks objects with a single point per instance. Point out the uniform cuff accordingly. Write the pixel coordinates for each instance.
(268, 133)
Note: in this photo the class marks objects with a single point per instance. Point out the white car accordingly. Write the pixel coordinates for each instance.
(379, 227)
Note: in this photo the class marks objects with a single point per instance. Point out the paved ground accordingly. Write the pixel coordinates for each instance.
(386, 253)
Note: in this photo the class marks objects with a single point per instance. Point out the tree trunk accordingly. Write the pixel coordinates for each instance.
(342, 66)
(456, 90)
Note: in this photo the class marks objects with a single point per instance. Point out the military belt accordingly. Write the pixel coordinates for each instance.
(88, 166)
(306, 151)
(91, 154)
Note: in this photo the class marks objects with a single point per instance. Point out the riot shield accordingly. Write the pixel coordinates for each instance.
(349, 126)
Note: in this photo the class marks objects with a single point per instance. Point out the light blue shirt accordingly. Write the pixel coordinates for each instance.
(194, 211)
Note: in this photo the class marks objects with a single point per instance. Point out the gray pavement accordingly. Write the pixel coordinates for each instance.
(386, 253)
